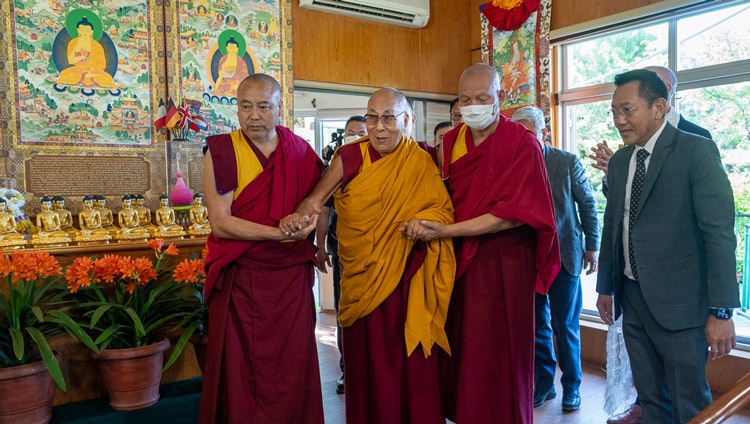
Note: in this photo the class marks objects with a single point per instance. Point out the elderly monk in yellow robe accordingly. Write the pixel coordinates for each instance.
(87, 60)
(394, 290)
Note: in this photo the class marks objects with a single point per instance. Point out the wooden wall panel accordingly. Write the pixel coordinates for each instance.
(571, 12)
(338, 49)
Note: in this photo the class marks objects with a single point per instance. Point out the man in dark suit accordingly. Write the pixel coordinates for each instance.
(559, 311)
(602, 152)
(667, 252)
(601, 156)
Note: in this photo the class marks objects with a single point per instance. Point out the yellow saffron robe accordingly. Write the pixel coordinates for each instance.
(371, 208)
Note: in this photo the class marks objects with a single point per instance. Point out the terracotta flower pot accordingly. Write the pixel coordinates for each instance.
(26, 394)
(200, 344)
(132, 376)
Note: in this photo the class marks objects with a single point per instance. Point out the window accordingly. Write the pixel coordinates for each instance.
(710, 52)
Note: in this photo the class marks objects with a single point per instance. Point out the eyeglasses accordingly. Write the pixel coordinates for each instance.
(626, 112)
(387, 120)
(456, 116)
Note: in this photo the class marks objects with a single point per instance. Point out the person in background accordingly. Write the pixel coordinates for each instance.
(455, 113)
(507, 250)
(262, 360)
(395, 290)
(667, 261)
(559, 311)
(439, 132)
(328, 253)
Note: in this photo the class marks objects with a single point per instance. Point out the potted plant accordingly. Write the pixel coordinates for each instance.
(29, 315)
(192, 273)
(125, 304)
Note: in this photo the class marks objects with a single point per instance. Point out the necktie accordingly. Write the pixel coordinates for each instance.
(635, 196)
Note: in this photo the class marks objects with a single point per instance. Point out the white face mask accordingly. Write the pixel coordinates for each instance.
(350, 138)
(479, 117)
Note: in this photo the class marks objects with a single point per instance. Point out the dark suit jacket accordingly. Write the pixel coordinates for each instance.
(683, 234)
(570, 187)
(684, 125)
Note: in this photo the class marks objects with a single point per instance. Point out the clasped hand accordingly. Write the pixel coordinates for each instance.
(421, 229)
(298, 227)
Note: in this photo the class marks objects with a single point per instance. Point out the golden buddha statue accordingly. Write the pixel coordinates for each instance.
(66, 218)
(108, 220)
(165, 220)
(199, 217)
(129, 223)
(8, 234)
(144, 213)
(48, 223)
(90, 221)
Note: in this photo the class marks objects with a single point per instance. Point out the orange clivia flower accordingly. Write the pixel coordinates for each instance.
(172, 250)
(189, 271)
(6, 265)
(77, 274)
(124, 267)
(155, 244)
(105, 269)
(204, 253)
(25, 266)
(143, 270)
(46, 264)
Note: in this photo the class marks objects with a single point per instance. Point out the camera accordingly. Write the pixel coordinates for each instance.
(337, 139)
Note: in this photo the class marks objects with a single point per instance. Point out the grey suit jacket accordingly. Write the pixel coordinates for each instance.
(570, 187)
(683, 233)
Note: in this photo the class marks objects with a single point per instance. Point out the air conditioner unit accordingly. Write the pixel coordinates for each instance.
(411, 13)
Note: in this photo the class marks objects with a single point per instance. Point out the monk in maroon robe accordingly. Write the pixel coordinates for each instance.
(262, 362)
(506, 247)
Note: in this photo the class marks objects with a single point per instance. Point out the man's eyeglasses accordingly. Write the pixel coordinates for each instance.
(388, 120)
(626, 112)
(456, 116)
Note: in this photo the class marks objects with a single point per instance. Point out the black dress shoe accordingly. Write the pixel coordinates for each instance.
(340, 385)
(571, 401)
(542, 396)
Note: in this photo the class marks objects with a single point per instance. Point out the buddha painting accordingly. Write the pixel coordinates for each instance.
(229, 64)
(90, 58)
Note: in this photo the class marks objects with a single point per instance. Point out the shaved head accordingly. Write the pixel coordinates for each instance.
(667, 76)
(400, 103)
(265, 80)
(481, 72)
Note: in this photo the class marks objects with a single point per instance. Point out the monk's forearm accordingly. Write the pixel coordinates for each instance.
(483, 224)
(233, 228)
(322, 228)
(328, 185)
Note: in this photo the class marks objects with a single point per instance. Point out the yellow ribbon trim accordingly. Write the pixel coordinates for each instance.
(459, 148)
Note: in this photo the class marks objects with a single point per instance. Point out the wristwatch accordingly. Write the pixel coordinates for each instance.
(721, 313)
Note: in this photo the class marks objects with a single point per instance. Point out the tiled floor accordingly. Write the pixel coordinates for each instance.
(592, 387)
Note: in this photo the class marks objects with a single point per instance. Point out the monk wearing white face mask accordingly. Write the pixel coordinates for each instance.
(506, 249)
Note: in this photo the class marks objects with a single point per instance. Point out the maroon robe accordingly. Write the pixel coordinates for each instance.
(382, 384)
(489, 378)
(262, 362)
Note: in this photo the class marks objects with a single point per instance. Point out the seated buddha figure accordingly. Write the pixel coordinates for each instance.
(108, 220)
(144, 213)
(66, 218)
(90, 221)
(128, 220)
(87, 60)
(165, 220)
(8, 234)
(48, 223)
(199, 217)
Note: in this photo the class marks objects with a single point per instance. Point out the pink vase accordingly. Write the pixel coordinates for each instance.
(132, 376)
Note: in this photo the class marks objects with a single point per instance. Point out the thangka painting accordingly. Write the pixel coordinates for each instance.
(522, 58)
(84, 71)
(219, 44)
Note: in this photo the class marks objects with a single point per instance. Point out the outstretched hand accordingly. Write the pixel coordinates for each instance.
(601, 156)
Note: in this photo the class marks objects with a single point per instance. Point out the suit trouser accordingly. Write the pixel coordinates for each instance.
(669, 367)
(559, 312)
